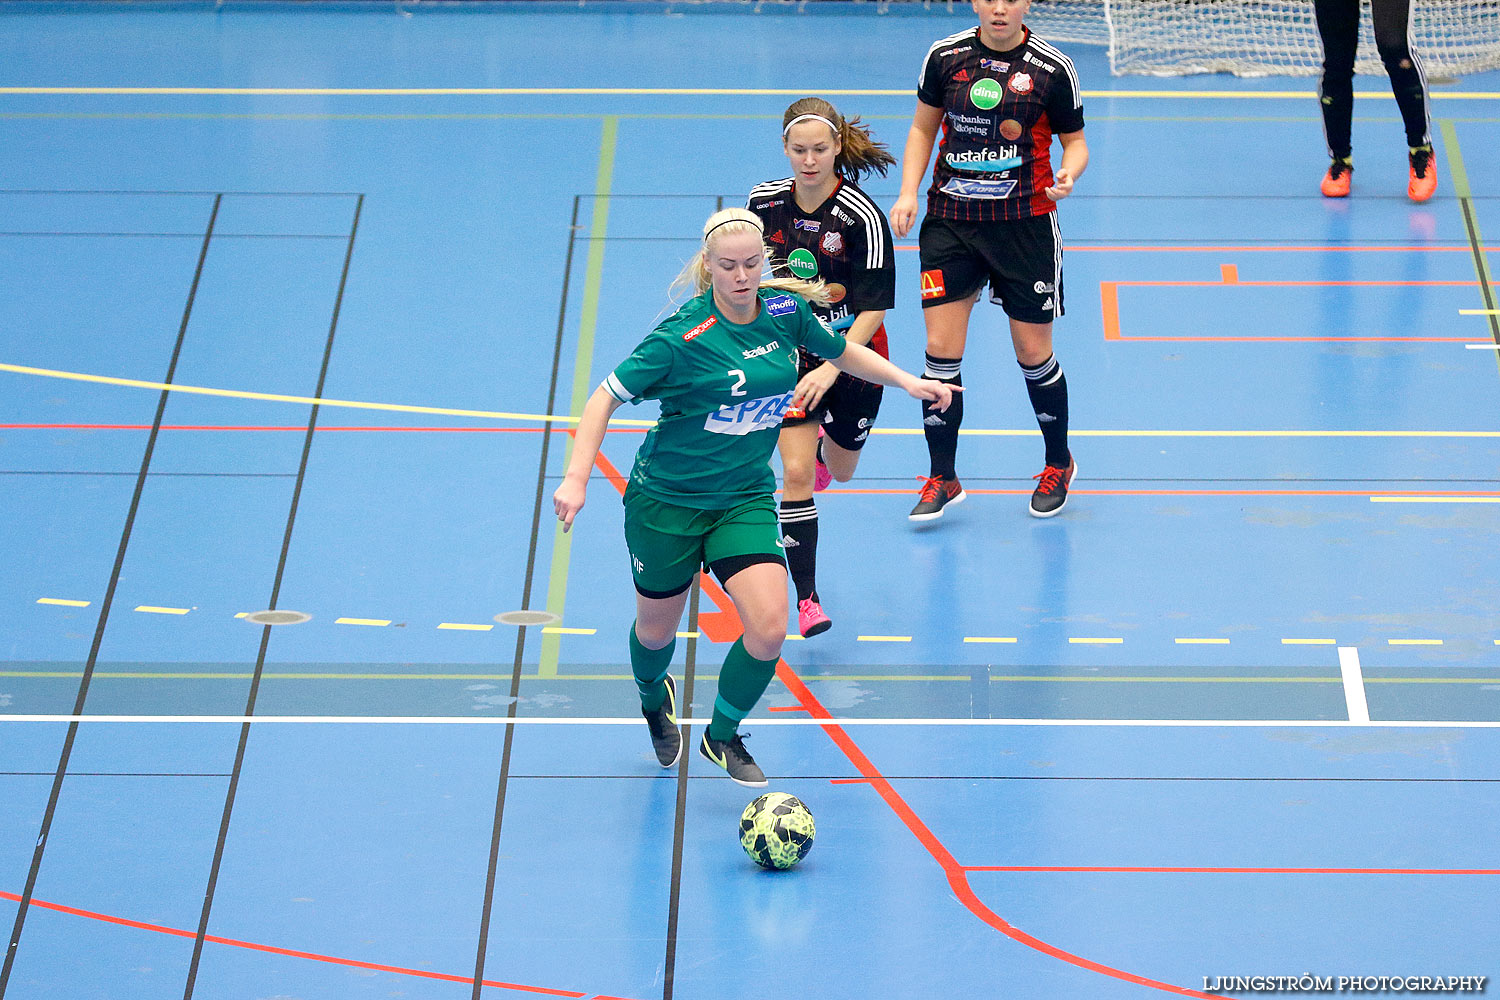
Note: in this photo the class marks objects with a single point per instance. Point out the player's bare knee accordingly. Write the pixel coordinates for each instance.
(797, 476)
(763, 639)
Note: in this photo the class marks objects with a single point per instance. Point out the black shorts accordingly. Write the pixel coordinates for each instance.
(1021, 260)
(847, 410)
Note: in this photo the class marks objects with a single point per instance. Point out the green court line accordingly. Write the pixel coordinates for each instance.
(583, 360)
(1455, 157)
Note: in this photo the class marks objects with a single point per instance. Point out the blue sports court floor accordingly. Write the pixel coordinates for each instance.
(284, 293)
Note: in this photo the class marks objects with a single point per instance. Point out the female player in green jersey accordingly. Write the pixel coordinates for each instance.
(701, 492)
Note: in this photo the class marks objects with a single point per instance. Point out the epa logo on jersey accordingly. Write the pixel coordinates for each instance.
(781, 305)
(749, 416)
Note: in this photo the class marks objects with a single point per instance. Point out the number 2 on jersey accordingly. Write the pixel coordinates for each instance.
(738, 389)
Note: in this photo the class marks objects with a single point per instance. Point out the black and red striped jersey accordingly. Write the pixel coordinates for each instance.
(1000, 112)
(846, 241)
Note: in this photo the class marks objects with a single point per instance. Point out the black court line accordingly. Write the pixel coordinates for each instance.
(679, 821)
(265, 635)
(679, 818)
(104, 608)
(482, 945)
(1477, 249)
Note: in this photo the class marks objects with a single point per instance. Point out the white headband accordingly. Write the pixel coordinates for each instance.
(810, 118)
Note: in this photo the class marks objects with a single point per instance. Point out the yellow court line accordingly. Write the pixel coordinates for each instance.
(1309, 642)
(445, 411)
(1414, 642)
(1435, 499)
(883, 638)
(1479, 312)
(795, 638)
(271, 397)
(1201, 642)
(1096, 641)
(1300, 95)
(461, 627)
(989, 638)
(374, 622)
(62, 603)
(559, 630)
(152, 609)
(688, 635)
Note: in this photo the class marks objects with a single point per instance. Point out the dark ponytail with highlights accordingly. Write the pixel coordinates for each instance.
(859, 153)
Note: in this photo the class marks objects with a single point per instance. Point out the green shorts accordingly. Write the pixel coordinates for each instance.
(668, 544)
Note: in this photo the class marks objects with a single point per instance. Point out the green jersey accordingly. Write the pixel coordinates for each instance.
(723, 389)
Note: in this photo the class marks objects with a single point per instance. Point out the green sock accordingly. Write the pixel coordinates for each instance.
(650, 667)
(742, 680)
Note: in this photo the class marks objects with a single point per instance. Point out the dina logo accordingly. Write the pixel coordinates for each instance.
(986, 93)
(802, 264)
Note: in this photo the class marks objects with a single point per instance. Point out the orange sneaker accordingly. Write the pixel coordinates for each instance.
(1423, 178)
(1336, 181)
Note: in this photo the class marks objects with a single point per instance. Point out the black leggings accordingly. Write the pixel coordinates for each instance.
(1338, 24)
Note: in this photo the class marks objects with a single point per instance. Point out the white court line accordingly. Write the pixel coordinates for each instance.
(1482, 347)
(1354, 684)
(425, 720)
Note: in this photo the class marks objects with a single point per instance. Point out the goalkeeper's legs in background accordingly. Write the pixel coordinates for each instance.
(1409, 84)
(1338, 26)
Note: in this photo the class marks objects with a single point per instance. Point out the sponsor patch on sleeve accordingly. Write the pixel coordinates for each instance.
(781, 305)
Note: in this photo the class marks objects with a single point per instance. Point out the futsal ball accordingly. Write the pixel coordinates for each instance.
(776, 830)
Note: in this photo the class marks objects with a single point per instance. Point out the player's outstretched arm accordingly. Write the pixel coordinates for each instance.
(861, 362)
(568, 499)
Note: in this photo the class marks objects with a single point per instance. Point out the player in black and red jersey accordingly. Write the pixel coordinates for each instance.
(999, 94)
(819, 224)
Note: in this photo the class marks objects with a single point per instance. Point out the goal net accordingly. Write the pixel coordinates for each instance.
(1280, 37)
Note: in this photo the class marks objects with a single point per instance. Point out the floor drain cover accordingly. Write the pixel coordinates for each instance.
(278, 617)
(527, 618)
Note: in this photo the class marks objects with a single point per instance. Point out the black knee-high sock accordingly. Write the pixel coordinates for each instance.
(799, 536)
(941, 429)
(1048, 390)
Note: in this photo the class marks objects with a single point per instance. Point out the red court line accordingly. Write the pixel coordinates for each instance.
(1150, 870)
(291, 953)
(957, 875)
(785, 708)
(1109, 300)
(725, 619)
